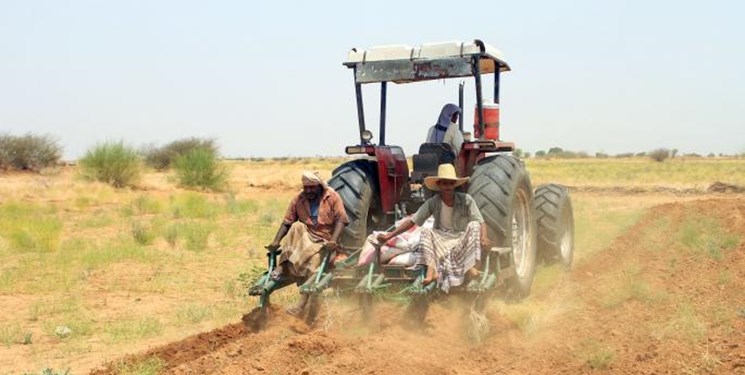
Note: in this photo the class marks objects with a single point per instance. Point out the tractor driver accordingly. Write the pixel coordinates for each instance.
(314, 219)
(446, 130)
(450, 250)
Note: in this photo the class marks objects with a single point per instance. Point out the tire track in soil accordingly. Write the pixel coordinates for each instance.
(641, 334)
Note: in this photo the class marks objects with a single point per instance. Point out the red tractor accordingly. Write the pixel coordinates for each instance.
(378, 188)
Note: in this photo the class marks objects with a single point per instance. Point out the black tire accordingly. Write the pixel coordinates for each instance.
(555, 220)
(500, 185)
(355, 181)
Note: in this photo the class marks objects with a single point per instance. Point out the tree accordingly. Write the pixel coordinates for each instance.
(659, 154)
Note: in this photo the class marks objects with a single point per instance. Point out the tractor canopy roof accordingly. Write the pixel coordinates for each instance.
(403, 64)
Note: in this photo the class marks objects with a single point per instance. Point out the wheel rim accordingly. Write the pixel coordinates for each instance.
(521, 235)
(566, 238)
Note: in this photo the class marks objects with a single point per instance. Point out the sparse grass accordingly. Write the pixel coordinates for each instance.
(706, 236)
(149, 366)
(142, 233)
(239, 207)
(30, 228)
(113, 163)
(133, 329)
(724, 278)
(117, 251)
(193, 205)
(597, 355)
(50, 371)
(97, 220)
(628, 285)
(525, 317)
(7, 280)
(196, 234)
(709, 361)
(171, 235)
(10, 334)
(144, 205)
(686, 325)
(722, 316)
(34, 311)
(69, 314)
(599, 221)
(193, 313)
(677, 172)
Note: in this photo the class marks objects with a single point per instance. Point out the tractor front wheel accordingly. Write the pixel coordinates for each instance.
(555, 224)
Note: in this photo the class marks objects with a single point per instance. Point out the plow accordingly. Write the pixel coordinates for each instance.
(524, 224)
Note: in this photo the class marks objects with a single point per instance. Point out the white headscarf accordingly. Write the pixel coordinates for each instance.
(312, 179)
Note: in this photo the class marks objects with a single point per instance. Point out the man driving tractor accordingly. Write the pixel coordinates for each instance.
(314, 220)
(446, 130)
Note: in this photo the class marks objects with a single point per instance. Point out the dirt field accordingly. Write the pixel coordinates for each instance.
(656, 288)
(645, 305)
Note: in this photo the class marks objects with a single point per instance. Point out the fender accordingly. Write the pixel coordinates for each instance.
(393, 172)
(393, 175)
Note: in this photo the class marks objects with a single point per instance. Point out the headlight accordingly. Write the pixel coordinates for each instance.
(367, 136)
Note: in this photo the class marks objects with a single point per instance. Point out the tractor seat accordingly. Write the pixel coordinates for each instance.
(430, 156)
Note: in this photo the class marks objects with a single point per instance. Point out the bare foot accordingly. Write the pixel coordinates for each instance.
(431, 276)
(473, 273)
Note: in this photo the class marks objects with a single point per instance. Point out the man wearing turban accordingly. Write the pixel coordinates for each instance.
(446, 129)
(314, 219)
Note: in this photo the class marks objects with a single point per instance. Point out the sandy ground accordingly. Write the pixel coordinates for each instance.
(647, 304)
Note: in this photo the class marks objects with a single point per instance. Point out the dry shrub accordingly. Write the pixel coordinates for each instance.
(28, 152)
(162, 158)
(659, 154)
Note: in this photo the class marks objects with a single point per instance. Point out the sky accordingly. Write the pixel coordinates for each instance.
(266, 78)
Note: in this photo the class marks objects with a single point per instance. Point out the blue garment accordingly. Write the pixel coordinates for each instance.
(443, 122)
(314, 210)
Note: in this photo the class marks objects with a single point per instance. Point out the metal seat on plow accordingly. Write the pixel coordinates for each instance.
(430, 156)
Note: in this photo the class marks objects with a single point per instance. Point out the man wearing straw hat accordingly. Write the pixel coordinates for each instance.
(452, 248)
(314, 219)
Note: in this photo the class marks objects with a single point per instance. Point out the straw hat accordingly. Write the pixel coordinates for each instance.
(444, 172)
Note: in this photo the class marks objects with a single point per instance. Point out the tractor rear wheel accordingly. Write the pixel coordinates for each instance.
(356, 184)
(555, 220)
(500, 185)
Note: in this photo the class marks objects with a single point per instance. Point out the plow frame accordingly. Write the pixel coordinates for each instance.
(376, 278)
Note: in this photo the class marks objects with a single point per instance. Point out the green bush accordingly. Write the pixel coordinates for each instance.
(113, 163)
(28, 152)
(162, 158)
(200, 168)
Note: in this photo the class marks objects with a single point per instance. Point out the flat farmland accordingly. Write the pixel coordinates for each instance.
(94, 278)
